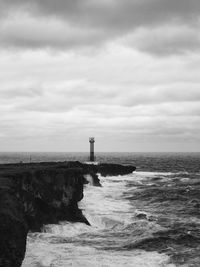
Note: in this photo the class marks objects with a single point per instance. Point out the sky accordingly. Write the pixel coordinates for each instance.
(124, 71)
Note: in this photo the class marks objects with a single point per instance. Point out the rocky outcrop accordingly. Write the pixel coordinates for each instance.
(32, 195)
(105, 169)
(114, 169)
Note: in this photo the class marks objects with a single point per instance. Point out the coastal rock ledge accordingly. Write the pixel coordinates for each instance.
(35, 194)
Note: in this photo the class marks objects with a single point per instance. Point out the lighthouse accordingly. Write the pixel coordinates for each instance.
(91, 140)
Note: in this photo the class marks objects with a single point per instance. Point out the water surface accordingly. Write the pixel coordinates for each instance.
(148, 218)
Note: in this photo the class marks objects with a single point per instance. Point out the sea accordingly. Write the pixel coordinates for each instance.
(149, 218)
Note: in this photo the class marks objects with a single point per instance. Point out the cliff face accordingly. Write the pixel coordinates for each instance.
(35, 194)
(51, 195)
(13, 229)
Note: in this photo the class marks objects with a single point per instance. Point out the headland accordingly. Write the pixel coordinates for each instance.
(35, 194)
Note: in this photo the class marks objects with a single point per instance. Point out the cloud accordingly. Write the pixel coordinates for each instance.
(169, 93)
(166, 39)
(76, 24)
(62, 96)
(11, 90)
(110, 13)
(128, 100)
(28, 32)
(151, 123)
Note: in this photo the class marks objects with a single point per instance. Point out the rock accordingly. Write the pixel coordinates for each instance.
(13, 230)
(141, 216)
(32, 195)
(35, 194)
(92, 179)
(114, 169)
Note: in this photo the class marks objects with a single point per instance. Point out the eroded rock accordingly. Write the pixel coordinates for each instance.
(35, 194)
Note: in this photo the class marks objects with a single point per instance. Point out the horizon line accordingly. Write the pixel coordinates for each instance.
(9, 151)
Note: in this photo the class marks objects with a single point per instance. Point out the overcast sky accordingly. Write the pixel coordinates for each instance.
(124, 71)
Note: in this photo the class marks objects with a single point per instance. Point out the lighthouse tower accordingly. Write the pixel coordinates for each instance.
(91, 140)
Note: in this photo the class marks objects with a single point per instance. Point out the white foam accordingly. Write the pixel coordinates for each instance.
(147, 174)
(85, 256)
(104, 205)
(92, 162)
(89, 178)
(66, 229)
(184, 180)
(76, 244)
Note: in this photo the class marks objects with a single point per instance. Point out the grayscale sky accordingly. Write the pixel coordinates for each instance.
(124, 71)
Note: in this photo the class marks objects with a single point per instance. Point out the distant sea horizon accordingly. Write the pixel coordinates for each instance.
(45, 151)
(144, 161)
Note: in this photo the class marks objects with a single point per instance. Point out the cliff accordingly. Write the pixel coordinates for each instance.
(41, 193)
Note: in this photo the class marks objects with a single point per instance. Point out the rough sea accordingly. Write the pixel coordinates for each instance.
(148, 218)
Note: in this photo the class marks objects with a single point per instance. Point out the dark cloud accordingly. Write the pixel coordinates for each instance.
(111, 13)
(167, 39)
(92, 22)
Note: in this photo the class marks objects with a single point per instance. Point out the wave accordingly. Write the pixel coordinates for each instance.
(133, 223)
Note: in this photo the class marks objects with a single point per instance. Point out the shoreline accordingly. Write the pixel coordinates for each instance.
(35, 194)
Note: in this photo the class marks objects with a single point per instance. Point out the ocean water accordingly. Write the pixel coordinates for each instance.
(148, 218)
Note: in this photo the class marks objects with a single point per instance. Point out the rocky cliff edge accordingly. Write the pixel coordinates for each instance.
(35, 194)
